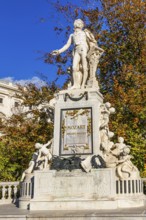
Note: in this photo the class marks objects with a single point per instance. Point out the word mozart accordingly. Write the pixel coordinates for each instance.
(75, 127)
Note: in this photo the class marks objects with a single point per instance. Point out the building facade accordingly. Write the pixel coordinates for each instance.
(8, 101)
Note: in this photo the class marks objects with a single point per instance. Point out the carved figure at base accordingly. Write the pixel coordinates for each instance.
(118, 156)
(125, 168)
(120, 145)
(111, 159)
(40, 158)
(105, 134)
(44, 154)
(84, 42)
(112, 152)
(31, 166)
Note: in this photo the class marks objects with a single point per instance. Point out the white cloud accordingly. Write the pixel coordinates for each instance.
(8, 79)
(35, 80)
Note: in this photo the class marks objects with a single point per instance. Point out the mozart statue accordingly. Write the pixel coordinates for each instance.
(86, 55)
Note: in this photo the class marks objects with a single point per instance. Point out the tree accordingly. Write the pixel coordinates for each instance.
(23, 130)
(119, 28)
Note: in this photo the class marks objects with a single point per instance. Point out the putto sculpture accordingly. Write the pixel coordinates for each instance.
(86, 55)
(40, 158)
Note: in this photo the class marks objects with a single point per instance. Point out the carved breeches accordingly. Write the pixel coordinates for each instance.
(81, 50)
(80, 57)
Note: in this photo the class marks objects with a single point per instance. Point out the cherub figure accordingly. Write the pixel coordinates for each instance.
(44, 154)
(125, 168)
(105, 134)
(106, 110)
(31, 166)
(120, 145)
(40, 158)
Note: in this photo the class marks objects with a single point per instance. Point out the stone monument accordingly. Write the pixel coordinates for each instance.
(82, 168)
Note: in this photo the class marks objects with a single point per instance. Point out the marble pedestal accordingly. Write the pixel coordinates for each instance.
(77, 132)
(76, 190)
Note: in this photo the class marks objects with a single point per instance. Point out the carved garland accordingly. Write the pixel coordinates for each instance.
(77, 98)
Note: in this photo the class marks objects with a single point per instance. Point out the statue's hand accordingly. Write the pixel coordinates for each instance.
(55, 52)
(99, 49)
(50, 141)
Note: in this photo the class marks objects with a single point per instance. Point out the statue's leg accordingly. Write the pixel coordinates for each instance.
(76, 76)
(85, 68)
(45, 162)
(119, 171)
(23, 176)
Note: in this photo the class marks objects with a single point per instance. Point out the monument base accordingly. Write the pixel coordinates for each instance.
(76, 190)
(74, 205)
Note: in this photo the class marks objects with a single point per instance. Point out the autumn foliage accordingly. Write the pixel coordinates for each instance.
(30, 125)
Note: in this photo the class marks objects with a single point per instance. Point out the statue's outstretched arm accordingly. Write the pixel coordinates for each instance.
(48, 143)
(99, 49)
(64, 48)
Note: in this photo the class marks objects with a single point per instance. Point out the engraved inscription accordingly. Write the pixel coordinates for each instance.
(76, 135)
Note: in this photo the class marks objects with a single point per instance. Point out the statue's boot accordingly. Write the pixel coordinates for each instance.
(75, 87)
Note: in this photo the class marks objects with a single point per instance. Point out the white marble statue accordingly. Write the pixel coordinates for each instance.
(112, 154)
(40, 158)
(106, 110)
(31, 166)
(44, 154)
(120, 145)
(117, 155)
(86, 54)
(105, 134)
(125, 169)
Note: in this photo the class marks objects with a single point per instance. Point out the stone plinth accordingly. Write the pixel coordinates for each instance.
(77, 190)
(74, 190)
(77, 122)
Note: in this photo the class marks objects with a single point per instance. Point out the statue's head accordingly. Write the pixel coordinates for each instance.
(38, 146)
(110, 134)
(107, 105)
(78, 23)
(120, 139)
(112, 110)
(126, 150)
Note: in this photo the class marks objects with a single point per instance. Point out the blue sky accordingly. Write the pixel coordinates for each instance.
(23, 33)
